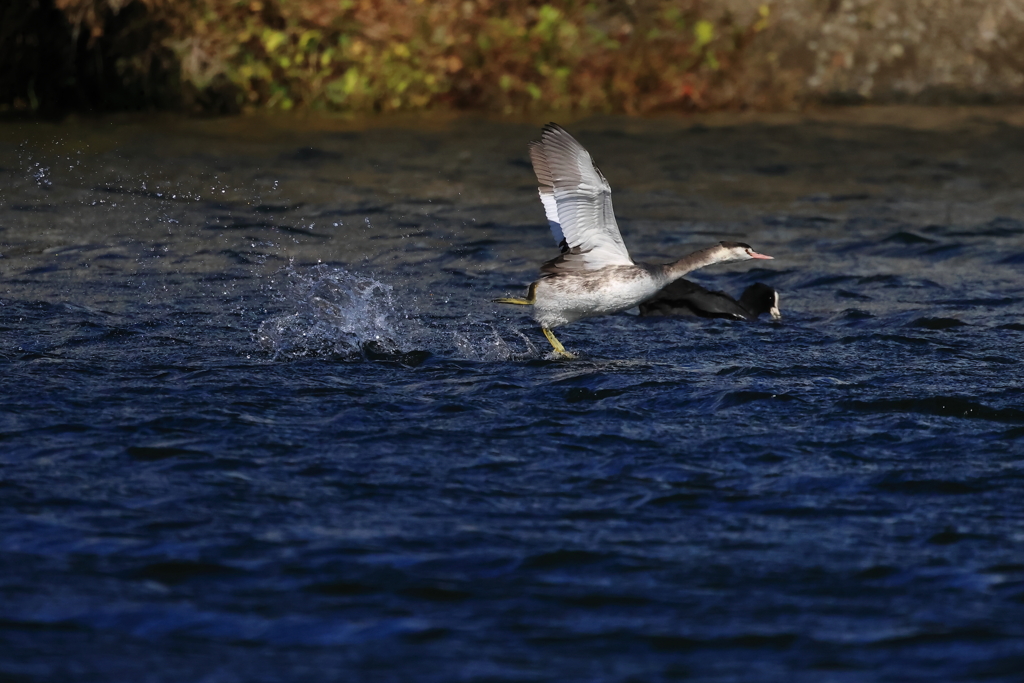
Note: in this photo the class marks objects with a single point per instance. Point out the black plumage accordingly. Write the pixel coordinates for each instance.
(683, 297)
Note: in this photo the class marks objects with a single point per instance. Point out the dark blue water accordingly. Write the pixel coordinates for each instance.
(260, 422)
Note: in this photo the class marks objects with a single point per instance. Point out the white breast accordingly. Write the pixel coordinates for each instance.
(564, 298)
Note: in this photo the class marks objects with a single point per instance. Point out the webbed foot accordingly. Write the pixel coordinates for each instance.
(557, 345)
(531, 294)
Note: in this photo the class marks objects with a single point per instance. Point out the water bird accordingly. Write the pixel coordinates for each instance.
(683, 297)
(594, 274)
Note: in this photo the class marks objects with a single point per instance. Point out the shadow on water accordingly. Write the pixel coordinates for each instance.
(260, 417)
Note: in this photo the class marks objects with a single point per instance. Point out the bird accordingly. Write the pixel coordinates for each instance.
(594, 274)
(683, 297)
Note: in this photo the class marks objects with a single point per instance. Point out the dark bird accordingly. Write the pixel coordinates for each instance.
(683, 297)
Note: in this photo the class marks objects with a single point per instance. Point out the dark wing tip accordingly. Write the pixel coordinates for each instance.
(553, 131)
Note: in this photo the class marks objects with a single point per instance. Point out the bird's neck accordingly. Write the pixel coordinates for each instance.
(670, 272)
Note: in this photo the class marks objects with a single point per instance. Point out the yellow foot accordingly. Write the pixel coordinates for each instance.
(532, 298)
(559, 349)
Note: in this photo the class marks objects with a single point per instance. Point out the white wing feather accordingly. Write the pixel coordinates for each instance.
(578, 203)
(547, 198)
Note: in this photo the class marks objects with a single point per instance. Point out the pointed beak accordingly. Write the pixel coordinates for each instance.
(753, 254)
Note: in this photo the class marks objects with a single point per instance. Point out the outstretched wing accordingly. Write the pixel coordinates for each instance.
(578, 203)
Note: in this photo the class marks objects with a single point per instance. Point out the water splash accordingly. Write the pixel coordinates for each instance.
(486, 342)
(339, 314)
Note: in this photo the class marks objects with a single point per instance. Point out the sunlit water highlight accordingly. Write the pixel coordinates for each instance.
(261, 421)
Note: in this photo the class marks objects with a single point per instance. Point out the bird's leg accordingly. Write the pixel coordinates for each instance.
(559, 349)
(532, 294)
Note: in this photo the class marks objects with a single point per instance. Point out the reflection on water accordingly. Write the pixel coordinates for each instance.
(259, 415)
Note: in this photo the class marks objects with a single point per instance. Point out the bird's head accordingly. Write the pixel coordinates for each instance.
(738, 251)
(759, 298)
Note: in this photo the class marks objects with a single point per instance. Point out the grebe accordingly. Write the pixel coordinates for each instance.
(594, 274)
(683, 297)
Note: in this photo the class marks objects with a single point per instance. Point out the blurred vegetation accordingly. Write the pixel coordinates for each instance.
(508, 56)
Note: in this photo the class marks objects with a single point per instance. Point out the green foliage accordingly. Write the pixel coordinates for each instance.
(510, 56)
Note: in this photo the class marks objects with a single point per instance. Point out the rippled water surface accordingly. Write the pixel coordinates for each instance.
(259, 420)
